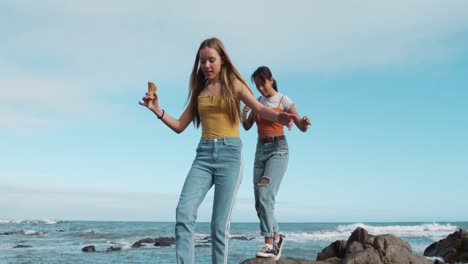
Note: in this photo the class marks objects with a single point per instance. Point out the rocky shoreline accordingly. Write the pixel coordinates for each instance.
(364, 248)
(360, 248)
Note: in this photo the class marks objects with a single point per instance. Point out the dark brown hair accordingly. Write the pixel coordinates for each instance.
(262, 74)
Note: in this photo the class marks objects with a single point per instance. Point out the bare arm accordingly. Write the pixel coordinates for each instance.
(247, 121)
(247, 97)
(177, 125)
(301, 123)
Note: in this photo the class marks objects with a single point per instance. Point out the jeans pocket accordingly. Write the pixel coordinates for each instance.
(281, 150)
(234, 147)
(201, 146)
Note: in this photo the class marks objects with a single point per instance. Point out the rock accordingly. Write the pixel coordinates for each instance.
(22, 246)
(363, 248)
(138, 244)
(395, 250)
(354, 247)
(335, 249)
(164, 241)
(360, 248)
(384, 242)
(452, 249)
(286, 261)
(359, 234)
(367, 256)
(88, 249)
(241, 238)
(147, 240)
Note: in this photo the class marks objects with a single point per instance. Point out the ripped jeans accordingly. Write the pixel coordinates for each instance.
(271, 161)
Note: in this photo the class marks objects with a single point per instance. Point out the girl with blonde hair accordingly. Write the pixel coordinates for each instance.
(216, 89)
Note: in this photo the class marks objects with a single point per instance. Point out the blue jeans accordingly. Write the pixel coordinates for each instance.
(271, 161)
(218, 162)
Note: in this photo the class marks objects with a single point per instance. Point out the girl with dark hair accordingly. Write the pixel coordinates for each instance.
(271, 157)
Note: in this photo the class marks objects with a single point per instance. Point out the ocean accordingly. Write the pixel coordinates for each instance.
(51, 241)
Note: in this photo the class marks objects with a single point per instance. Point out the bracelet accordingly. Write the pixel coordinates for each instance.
(159, 117)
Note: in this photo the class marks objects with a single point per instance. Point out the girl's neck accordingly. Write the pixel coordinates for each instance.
(213, 81)
(273, 93)
(211, 88)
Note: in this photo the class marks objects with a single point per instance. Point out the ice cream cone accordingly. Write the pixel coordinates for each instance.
(152, 89)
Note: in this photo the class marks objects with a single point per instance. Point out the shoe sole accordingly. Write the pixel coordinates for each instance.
(265, 255)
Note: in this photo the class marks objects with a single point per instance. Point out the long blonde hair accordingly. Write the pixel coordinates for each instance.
(227, 74)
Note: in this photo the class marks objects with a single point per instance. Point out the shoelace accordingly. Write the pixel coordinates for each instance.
(265, 248)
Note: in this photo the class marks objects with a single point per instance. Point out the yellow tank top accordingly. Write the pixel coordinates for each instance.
(214, 116)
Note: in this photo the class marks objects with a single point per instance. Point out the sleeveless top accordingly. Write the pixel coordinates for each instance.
(214, 117)
(265, 126)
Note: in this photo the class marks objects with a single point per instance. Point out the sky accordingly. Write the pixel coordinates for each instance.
(383, 82)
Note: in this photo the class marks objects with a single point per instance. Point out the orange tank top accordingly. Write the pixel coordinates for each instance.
(265, 126)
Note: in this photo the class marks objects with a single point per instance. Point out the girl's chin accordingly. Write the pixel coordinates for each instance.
(210, 77)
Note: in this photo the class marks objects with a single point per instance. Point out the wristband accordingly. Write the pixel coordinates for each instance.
(159, 117)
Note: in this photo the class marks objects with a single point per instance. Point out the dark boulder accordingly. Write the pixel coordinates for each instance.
(88, 249)
(164, 241)
(147, 240)
(22, 246)
(452, 249)
(240, 238)
(335, 249)
(363, 248)
(138, 244)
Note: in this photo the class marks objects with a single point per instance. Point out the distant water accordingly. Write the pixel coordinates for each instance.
(62, 241)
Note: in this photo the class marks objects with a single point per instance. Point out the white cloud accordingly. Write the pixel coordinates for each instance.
(316, 35)
(85, 49)
(19, 122)
(20, 201)
(41, 202)
(32, 102)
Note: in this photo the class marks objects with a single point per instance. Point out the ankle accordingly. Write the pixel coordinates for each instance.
(276, 236)
(269, 240)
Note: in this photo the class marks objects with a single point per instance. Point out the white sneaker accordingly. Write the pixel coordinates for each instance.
(266, 251)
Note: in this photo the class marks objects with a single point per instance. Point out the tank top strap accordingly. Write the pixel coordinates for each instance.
(279, 104)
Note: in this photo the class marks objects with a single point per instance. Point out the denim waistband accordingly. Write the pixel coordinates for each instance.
(220, 140)
(263, 140)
